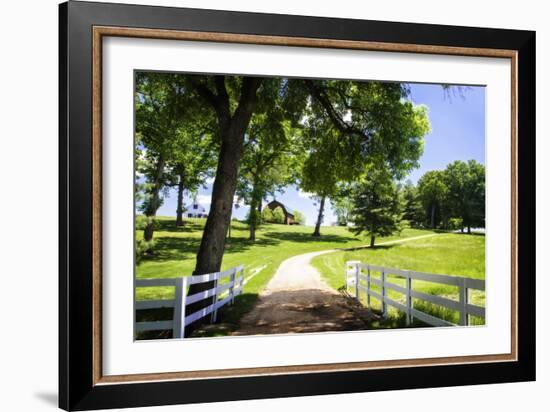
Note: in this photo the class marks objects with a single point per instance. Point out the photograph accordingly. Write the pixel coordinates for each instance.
(285, 205)
(258, 205)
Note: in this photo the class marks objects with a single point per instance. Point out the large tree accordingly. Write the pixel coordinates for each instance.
(174, 137)
(159, 115)
(466, 192)
(191, 163)
(351, 125)
(325, 166)
(272, 153)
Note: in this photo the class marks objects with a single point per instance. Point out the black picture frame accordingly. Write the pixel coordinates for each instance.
(77, 390)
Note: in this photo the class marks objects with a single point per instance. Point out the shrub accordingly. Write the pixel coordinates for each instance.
(273, 216)
(455, 223)
(278, 215)
(142, 248)
(142, 221)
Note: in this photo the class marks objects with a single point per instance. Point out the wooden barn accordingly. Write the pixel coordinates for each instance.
(289, 213)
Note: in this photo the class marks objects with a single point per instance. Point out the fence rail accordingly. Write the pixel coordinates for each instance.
(222, 293)
(359, 277)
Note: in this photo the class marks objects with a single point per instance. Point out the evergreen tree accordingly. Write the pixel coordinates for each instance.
(377, 208)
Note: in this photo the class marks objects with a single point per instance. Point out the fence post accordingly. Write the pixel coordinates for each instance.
(409, 299)
(463, 299)
(357, 272)
(350, 269)
(240, 280)
(233, 280)
(214, 315)
(368, 286)
(384, 306)
(179, 308)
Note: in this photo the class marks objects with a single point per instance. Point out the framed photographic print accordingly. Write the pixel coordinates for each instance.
(256, 205)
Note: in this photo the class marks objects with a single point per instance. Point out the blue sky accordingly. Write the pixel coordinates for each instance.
(458, 133)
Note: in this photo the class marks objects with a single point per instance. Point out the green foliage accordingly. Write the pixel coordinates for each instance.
(432, 192)
(455, 197)
(299, 218)
(342, 206)
(413, 211)
(456, 223)
(278, 215)
(142, 221)
(353, 126)
(466, 192)
(377, 207)
(273, 151)
(273, 216)
(173, 139)
(267, 215)
(142, 248)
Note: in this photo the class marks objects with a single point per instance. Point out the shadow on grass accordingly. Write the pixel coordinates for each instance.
(308, 238)
(375, 247)
(177, 247)
(477, 234)
(228, 319)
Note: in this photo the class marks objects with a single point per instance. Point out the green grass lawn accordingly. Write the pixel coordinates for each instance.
(445, 253)
(176, 248)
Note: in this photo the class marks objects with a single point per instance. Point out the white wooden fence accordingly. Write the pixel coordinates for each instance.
(359, 277)
(222, 293)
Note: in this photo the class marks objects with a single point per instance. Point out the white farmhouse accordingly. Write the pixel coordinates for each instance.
(196, 210)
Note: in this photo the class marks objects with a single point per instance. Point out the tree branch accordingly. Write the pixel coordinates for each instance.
(220, 103)
(318, 94)
(247, 102)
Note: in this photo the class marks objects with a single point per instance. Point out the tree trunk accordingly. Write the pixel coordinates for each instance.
(154, 200)
(317, 231)
(260, 210)
(179, 210)
(252, 221)
(372, 239)
(432, 218)
(209, 257)
(210, 254)
(255, 212)
(469, 229)
(232, 130)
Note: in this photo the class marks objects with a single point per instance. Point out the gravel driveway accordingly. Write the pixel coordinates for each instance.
(297, 300)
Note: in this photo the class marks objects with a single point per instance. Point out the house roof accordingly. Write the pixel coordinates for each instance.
(190, 207)
(275, 203)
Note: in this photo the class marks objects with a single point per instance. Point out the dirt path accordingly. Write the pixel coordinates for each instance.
(298, 300)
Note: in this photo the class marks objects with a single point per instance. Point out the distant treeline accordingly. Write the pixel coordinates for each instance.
(450, 199)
